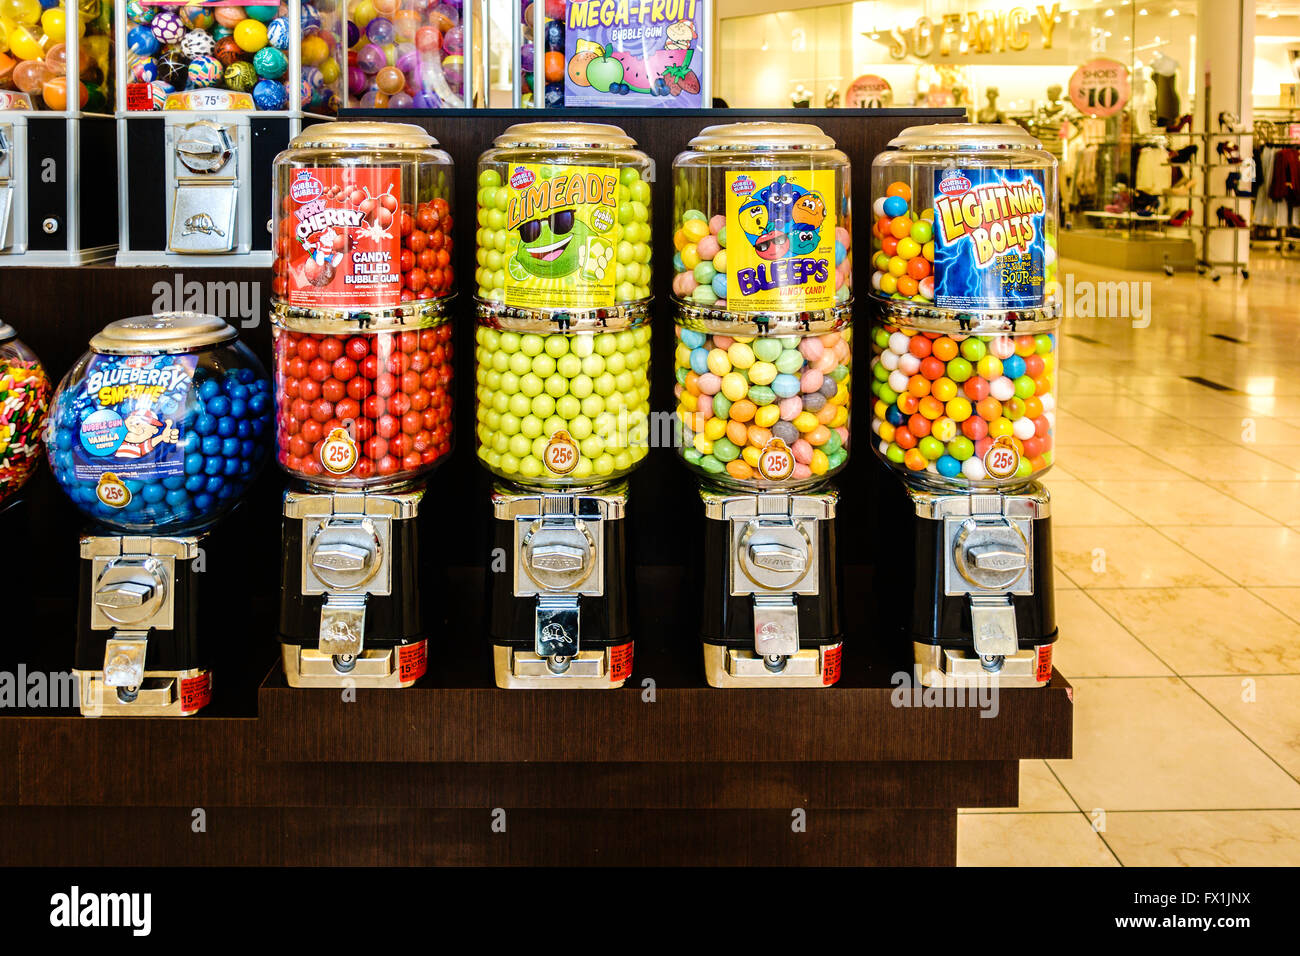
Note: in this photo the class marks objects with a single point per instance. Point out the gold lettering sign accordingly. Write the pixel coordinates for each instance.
(991, 32)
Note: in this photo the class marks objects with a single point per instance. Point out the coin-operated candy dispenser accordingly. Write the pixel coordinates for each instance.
(763, 298)
(563, 353)
(964, 343)
(154, 434)
(208, 95)
(57, 159)
(363, 367)
(24, 399)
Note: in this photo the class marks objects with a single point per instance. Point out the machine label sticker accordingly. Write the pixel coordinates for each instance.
(989, 245)
(781, 253)
(831, 664)
(776, 461)
(1002, 460)
(338, 453)
(342, 237)
(129, 413)
(1043, 670)
(196, 692)
(620, 662)
(561, 455)
(560, 251)
(412, 661)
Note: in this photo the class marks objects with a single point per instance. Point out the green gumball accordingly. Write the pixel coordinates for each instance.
(240, 76)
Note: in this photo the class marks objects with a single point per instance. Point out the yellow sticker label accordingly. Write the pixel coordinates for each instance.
(112, 491)
(338, 453)
(780, 240)
(562, 226)
(561, 455)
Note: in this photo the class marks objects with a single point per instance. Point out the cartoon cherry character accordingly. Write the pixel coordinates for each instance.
(326, 254)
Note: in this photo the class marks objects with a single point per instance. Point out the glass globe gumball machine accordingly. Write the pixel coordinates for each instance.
(47, 48)
(208, 94)
(24, 399)
(363, 364)
(155, 434)
(963, 365)
(563, 351)
(763, 298)
(409, 54)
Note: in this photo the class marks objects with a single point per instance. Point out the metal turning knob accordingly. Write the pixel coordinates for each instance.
(341, 557)
(993, 557)
(558, 553)
(561, 558)
(991, 552)
(204, 147)
(124, 594)
(778, 557)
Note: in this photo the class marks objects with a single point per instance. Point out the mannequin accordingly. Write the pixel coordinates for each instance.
(1164, 74)
(1047, 121)
(990, 113)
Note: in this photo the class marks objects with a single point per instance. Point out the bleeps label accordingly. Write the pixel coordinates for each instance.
(561, 248)
(988, 239)
(345, 240)
(780, 241)
(130, 412)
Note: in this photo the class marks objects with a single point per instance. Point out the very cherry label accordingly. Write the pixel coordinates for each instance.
(344, 240)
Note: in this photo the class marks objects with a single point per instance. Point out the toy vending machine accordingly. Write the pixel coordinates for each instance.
(24, 399)
(563, 354)
(584, 53)
(155, 434)
(57, 163)
(409, 54)
(363, 364)
(963, 374)
(209, 94)
(763, 298)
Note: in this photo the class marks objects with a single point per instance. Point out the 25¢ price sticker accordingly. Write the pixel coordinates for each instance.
(1002, 460)
(561, 455)
(776, 461)
(338, 453)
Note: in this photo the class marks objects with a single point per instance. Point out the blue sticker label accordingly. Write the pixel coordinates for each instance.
(988, 238)
(130, 414)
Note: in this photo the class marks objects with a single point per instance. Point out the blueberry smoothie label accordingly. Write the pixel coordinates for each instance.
(130, 415)
(344, 247)
(988, 238)
(780, 241)
(560, 222)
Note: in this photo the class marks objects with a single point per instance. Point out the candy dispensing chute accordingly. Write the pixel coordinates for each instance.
(563, 354)
(963, 365)
(208, 95)
(24, 399)
(763, 300)
(363, 365)
(154, 434)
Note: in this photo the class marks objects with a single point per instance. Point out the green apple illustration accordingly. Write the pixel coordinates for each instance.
(604, 71)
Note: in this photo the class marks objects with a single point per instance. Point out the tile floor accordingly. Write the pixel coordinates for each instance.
(1176, 515)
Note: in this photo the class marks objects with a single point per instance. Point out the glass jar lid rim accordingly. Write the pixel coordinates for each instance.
(762, 135)
(562, 135)
(363, 136)
(965, 136)
(164, 331)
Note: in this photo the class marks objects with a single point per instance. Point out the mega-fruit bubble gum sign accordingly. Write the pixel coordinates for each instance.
(344, 241)
(988, 239)
(781, 246)
(629, 53)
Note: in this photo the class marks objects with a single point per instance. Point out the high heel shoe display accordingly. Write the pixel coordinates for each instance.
(1145, 203)
(1229, 123)
(1184, 155)
(1228, 217)
(1182, 121)
(1232, 186)
(1180, 218)
(1229, 151)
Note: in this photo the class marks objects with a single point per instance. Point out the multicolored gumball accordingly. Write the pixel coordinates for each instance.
(195, 16)
(270, 95)
(167, 27)
(228, 50)
(173, 68)
(140, 40)
(142, 69)
(277, 33)
(204, 71)
(137, 11)
(160, 92)
(240, 76)
(198, 43)
(310, 17)
(270, 63)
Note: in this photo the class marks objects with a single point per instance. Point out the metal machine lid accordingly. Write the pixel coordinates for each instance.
(565, 136)
(165, 332)
(965, 136)
(363, 136)
(762, 136)
(6, 331)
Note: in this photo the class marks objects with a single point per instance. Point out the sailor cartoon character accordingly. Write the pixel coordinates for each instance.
(681, 35)
(326, 255)
(145, 432)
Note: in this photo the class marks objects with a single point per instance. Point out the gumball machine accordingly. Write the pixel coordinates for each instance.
(963, 365)
(363, 368)
(214, 92)
(24, 398)
(57, 161)
(763, 299)
(409, 54)
(155, 434)
(563, 351)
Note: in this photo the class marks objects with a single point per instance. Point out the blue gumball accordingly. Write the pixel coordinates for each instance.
(554, 36)
(140, 40)
(895, 206)
(277, 33)
(270, 95)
